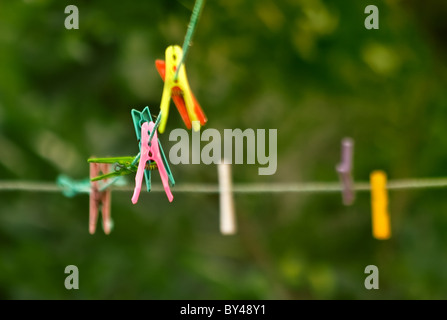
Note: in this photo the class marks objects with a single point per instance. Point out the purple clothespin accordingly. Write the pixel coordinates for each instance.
(344, 170)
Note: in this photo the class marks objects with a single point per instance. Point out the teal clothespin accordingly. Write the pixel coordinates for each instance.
(70, 187)
(138, 119)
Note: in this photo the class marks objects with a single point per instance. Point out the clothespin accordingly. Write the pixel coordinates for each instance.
(70, 187)
(122, 166)
(227, 215)
(180, 91)
(344, 170)
(150, 151)
(179, 100)
(381, 227)
(99, 199)
(138, 119)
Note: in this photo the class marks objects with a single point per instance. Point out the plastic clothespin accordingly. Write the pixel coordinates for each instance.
(122, 166)
(180, 91)
(227, 215)
(381, 227)
(99, 199)
(70, 187)
(344, 170)
(138, 119)
(150, 151)
(178, 98)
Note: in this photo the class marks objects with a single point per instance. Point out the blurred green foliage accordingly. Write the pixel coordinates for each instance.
(308, 68)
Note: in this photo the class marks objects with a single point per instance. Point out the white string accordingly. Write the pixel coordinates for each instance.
(283, 187)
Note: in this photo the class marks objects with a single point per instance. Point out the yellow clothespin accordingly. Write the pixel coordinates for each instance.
(381, 227)
(173, 56)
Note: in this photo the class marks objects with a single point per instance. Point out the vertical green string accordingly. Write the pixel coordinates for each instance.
(156, 124)
(191, 27)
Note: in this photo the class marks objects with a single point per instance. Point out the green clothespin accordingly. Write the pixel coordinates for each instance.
(124, 166)
(138, 119)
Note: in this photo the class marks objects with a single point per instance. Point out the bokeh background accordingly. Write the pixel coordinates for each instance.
(307, 68)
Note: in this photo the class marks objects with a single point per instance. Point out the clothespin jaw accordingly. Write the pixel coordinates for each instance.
(99, 199)
(138, 119)
(381, 226)
(178, 87)
(344, 170)
(177, 97)
(148, 152)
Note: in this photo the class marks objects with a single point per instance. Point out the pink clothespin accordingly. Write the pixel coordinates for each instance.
(99, 199)
(150, 151)
(344, 170)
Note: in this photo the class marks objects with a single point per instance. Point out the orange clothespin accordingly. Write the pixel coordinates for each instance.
(179, 89)
(381, 227)
(99, 199)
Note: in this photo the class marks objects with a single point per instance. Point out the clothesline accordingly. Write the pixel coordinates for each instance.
(280, 187)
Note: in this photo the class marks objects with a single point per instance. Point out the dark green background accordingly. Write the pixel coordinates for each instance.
(307, 68)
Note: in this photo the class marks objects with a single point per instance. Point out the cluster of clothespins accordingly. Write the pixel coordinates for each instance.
(381, 227)
(151, 156)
